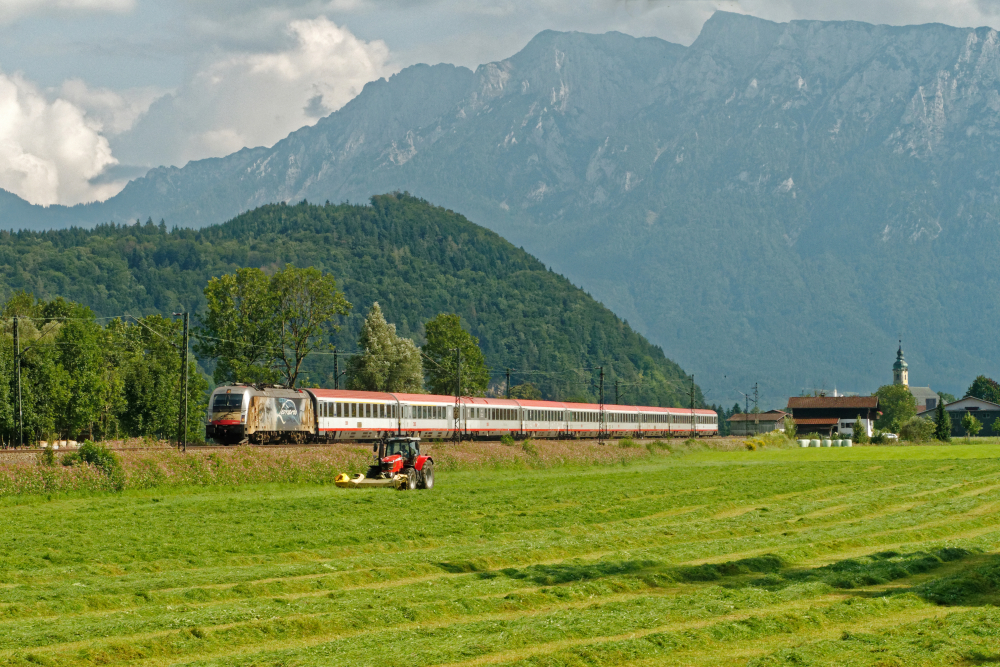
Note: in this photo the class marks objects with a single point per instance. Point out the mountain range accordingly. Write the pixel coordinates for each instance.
(773, 204)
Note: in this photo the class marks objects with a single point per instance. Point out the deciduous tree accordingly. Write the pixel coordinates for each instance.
(388, 362)
(261, 328)
(240, 327)
(897, 405)
(971, 425)
(307, 302)
(984, 388)
(444, 335)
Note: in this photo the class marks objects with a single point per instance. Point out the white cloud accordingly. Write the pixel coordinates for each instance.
(115, 111)
(49, 150)
(14, 9)
(253, 99)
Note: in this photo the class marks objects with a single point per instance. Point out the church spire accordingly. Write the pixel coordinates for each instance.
(900, 370)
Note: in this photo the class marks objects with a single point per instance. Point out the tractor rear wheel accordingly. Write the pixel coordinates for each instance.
(427, 476)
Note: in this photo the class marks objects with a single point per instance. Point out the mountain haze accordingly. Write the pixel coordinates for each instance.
(775, 203)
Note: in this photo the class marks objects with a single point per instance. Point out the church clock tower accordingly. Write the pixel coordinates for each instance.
(900, 371)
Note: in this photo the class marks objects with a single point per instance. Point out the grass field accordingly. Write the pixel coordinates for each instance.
(864, 556)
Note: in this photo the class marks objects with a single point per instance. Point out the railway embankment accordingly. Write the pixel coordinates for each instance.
(150, 464)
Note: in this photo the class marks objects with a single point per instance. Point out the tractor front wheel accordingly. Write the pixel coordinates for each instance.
(427, 476)
(411, 479)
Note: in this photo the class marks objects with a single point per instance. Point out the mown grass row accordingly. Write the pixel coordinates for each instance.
(709, 558)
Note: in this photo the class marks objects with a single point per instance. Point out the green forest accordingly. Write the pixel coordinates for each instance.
(415, 259)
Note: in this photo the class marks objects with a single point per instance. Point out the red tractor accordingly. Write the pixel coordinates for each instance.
(398, 463)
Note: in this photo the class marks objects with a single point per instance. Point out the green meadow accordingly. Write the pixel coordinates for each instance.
(864, 556)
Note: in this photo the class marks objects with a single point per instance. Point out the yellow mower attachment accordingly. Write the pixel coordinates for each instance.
(345, 482)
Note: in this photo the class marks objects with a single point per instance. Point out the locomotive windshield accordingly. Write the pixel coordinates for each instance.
(227, 402)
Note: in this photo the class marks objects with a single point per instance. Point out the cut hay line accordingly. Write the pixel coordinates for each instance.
(66, 647)
(826, 511)
(734, 512)
(555, 647)
(979, 492)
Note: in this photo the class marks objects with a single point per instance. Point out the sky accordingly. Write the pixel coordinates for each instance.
(94, 93)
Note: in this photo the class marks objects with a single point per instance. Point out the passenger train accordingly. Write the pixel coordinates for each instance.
(246, 413)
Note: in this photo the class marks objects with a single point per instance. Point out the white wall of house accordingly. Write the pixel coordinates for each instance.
(846, 426)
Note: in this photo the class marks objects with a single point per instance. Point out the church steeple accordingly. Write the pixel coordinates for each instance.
(900, 371)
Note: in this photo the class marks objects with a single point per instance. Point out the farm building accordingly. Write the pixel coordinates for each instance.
(985, 411)
(764, 422)
(828, 415)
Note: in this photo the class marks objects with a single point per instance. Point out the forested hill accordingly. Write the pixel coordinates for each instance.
(415, 259)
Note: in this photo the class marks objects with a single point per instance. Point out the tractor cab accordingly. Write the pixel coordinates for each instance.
(406, 449)
(400, 456)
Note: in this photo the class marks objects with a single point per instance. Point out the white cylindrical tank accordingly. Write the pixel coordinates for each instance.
(803, 443)
(814, 443)
(847, 443)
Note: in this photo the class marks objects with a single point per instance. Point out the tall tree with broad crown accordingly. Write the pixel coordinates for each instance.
(260, 328)
(307, 301)
(984, 388)
(240, 327)
(388, 362)
(445, 335)
(897, 406)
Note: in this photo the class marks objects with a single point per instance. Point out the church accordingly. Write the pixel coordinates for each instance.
(927, 399)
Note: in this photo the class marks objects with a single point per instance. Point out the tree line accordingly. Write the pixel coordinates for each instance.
(259, 329)
(81, 379)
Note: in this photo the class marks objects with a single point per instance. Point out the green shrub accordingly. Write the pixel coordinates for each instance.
(101, 458)
(791, 428)
(657, 446)
(628, 443)
(507, 439)
(48, 457)
(879, 438)
(917, 429)
(529, 447)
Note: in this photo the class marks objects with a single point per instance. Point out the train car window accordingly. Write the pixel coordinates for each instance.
(354, 409)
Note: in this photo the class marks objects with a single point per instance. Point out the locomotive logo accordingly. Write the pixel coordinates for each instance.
(288, 412)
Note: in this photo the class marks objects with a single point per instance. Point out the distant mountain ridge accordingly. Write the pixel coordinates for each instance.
(776, 203)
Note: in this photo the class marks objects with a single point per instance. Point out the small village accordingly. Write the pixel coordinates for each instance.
(836, 415)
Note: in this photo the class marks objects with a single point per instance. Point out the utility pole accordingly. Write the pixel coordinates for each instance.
(508, 384)
(756, 411)
(600, 424)
(182, 412)
(20, 408)
(458, 395)
(692, 408)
